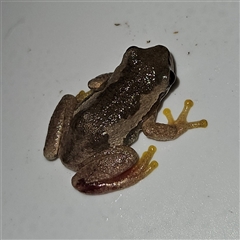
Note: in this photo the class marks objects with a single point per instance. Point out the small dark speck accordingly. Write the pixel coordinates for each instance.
(196, 44)
(127, 24)
(148, 41)
(60, 91)
(29, 49)
(230, 211)
(117, 24)
(176, 32)
(188, 53)
(186, 16)
(208, 196)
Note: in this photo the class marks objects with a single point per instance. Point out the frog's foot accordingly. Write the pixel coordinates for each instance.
(181, 122)
(91, 185)
(174, 128)
(82, 95)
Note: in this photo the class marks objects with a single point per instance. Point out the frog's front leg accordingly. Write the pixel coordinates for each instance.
(99, 82)
(114, 169)
(174, 128)
(96, 84)
(59, 126)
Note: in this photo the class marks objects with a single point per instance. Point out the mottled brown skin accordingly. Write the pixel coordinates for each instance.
(92, 135)
(118, 107)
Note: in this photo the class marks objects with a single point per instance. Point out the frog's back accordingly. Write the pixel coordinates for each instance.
(137, 84)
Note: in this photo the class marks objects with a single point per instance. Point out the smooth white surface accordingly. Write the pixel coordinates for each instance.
(50, 49)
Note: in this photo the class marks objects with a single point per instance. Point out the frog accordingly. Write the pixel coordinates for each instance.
(92, 132)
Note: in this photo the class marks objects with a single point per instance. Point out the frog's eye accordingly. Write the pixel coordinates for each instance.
(172, 77)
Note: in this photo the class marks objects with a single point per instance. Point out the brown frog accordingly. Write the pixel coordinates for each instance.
(92, 132)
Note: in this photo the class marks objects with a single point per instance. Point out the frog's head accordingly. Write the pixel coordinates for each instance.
(157, 59)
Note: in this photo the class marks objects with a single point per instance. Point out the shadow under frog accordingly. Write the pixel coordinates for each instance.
(92, 132)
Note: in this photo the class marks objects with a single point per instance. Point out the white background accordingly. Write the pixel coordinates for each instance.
(50, 49)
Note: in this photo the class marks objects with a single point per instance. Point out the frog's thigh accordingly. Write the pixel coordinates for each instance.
(59, 123)
(114, 169)
(174, 128)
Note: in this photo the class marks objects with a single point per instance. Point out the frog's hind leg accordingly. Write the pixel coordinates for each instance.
(113, 170)
(59, 126)
(174, 128)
